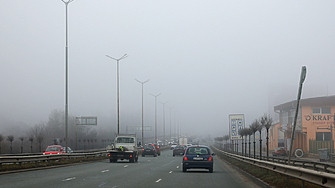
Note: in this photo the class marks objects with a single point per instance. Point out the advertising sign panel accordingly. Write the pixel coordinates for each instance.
(236, 123)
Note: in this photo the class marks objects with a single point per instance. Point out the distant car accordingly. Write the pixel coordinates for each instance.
(281, 151)
(69, 150)
(53, 149)
(198, 157)
(157, 149)
(178, 150)
(173, 146)
(149, 150)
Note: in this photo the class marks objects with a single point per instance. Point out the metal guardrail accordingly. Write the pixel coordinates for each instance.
(306, 171)
(38, 158)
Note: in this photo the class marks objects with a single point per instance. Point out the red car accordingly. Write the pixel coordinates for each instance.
(54, 149)
(279, 151)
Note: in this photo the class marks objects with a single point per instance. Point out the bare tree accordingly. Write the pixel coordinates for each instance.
(226, 138)
(249, 134)
(38, 131)
(266, 122)
(31, 139)
(254, 128)
(21, 138)
(242, 133)
(1, 139)
(10, 138)
(84, 140)
(260, 128)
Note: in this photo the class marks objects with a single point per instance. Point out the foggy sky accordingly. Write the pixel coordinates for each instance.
(208, 59)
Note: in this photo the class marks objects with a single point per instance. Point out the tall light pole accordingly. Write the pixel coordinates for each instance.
(142, 107)
(66, 71)
(118, 89)
(164, 119)
(155, 115)
(170, 123)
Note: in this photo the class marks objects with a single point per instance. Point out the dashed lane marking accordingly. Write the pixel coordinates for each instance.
(177, 166)
(158, 180)
(170, 172)
(126, 166)
(69, 179)
(104, 171)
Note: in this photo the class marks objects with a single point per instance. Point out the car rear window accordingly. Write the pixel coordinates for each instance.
(149, 147)
(53, 149)
(198, 151)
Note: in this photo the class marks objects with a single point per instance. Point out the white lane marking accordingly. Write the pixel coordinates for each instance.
(104, 171)
(126, 166)
(102, 184)
(158, 180)
(68, 179)
(177, 166)
(170, 172)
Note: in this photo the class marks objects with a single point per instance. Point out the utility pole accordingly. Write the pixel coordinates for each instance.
(118, 89)
(302, 79)
(155, 115)
(164, 121)
(142, 109)
(66, 71)
(170, 124)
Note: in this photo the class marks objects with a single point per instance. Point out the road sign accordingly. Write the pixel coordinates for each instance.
(88, 120)
(236, 124)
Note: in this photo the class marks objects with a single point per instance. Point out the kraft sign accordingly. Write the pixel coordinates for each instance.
(319, 117)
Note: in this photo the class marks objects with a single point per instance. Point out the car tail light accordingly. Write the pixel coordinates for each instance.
(153, 149)
(109, 155)
(157, 147)
(210, 158)
(131, 156)
(185, 158)
(142, 149)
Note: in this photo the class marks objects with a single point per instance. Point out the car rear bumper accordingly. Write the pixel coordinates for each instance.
(148, 153)
(197, 164)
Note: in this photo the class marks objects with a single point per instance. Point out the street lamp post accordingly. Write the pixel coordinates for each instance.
(66, 71)
(118, 90)
(170, 124)
(164, 120)
(142, 107)
(155, 115)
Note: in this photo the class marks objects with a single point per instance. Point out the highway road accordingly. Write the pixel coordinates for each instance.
(161, 171)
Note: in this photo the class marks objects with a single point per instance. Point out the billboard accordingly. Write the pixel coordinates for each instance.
(236, 123)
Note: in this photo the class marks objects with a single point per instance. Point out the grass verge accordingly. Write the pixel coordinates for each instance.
(273, 179)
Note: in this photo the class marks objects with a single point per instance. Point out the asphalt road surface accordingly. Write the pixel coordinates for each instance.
(161, 171)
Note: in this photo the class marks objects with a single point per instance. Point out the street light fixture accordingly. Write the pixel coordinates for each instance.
(164, 119)
(118, 90)
(142, 106)
(155, 115)
(66, 71)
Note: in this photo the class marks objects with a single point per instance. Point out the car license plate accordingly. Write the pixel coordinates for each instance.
(148, 150)
(198, 158)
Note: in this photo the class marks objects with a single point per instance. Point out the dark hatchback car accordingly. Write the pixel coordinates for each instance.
(178, 150)
(149, 150)
(198, 157)
(157, 148)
